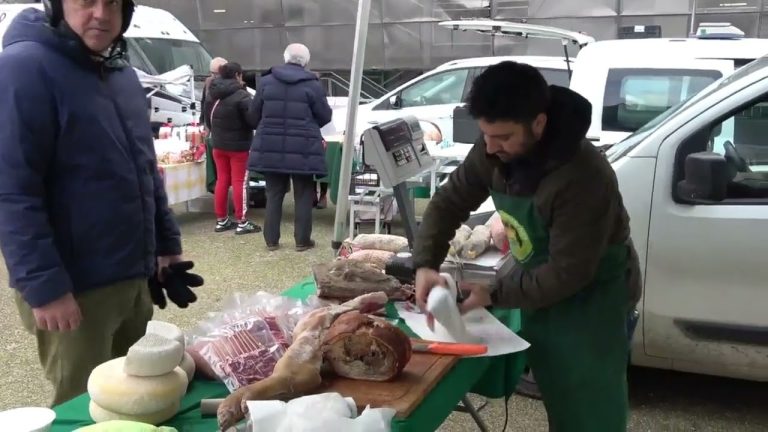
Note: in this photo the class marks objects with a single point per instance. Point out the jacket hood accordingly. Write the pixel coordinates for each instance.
(31, 25)
(568, 119)
(223, 88)
(291, 73)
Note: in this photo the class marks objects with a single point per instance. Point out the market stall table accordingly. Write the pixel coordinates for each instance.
(184, 182)
(491, 377)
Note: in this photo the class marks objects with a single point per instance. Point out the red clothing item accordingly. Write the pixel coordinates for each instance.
(230, 171)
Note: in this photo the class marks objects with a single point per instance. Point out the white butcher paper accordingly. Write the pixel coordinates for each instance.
(326, 412)
(480, 326)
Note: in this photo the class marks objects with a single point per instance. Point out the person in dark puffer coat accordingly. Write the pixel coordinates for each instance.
(290, 107)
(231, 133)
(84, 216)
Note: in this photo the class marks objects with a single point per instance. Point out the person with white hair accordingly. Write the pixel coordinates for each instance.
(214, 66)
(290, 107)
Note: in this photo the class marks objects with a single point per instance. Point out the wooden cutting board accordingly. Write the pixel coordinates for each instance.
(403, 394)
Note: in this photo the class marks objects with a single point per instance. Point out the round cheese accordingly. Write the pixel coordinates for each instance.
(153, 355)
(167, 330)
(124, 425)
(99, 414)
(112, 389)
(188, 365)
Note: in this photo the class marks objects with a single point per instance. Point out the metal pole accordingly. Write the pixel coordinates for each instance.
(348, 147)
(693, 18)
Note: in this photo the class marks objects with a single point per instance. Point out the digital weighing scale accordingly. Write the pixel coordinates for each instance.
(396, 150)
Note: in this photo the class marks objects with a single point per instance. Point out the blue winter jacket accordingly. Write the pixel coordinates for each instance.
(81, 202)
(291, 107)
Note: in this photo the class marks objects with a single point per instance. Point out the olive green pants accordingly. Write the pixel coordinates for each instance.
(114, 318)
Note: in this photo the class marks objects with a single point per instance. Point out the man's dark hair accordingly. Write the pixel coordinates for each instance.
(230, 70)
(509, 91)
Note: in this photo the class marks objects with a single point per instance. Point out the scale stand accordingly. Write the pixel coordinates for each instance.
(407, 211)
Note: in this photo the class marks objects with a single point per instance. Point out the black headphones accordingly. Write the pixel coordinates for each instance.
(55, 13)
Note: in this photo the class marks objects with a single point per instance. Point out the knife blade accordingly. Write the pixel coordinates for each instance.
(450, 348)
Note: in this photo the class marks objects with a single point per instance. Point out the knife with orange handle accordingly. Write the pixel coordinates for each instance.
(446, 348)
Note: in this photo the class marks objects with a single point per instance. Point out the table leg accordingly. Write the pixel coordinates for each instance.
(475, 415)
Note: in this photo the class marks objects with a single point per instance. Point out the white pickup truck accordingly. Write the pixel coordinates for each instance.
(695, 184)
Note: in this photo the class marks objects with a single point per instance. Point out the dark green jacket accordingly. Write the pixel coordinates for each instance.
(575, 192)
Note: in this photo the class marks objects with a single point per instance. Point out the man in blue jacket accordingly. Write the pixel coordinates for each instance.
(290, 107)
(84, 218)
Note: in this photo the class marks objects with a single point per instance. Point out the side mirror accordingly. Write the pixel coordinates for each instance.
(706, 179)
(395, 102)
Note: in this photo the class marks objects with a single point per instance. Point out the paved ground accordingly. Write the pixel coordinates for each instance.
(661, 401)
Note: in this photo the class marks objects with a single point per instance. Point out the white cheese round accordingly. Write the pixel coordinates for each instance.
(113, 390)
(188, 365)
(153, 355)
(99, 414)
(167, 330)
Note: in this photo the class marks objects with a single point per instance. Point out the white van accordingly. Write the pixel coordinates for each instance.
(702, 245)
(629, 82)
(157, 43)
(434, 95)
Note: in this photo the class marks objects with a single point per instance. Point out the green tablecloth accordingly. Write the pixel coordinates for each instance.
(489, 376)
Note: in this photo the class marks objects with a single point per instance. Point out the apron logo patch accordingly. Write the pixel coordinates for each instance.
(520, 245)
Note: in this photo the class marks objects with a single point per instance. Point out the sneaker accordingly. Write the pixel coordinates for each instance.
(306, 247)
(323, 203)
(247, 227)
(224, 225)
(273, 247)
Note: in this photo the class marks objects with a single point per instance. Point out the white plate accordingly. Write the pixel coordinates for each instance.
(29, 419)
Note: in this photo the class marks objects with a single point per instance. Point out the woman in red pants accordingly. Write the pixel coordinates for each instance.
(231, 134)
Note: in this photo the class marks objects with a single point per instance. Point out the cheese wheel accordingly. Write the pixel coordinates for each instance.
(167, 330)
(124, 425)
(188, 365)
(153, 355)
(99, 414)
(112, 389)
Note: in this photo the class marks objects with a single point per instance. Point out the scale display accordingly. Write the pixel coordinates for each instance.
(396, 150)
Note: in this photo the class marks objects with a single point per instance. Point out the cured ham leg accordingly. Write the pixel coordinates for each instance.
(297, 373)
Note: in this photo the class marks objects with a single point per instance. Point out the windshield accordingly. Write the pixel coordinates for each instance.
(168, 54)
(619, 150)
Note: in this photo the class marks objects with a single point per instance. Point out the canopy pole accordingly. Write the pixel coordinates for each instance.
(348, 146)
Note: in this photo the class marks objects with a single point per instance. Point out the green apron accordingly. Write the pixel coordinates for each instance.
(578, 350)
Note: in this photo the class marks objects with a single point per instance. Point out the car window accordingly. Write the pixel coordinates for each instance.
(746, 133)
(558, 77)
(634, 97)
(442, 88)
(136, 59)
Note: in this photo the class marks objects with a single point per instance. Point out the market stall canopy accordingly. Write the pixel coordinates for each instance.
(507, 28)
(177, 81)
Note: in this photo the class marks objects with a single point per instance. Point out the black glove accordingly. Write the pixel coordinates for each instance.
(156, 292)
(177, 282)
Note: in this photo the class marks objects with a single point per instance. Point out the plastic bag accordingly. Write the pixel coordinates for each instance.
(327, 412)
(243, 352)
(262, 323)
